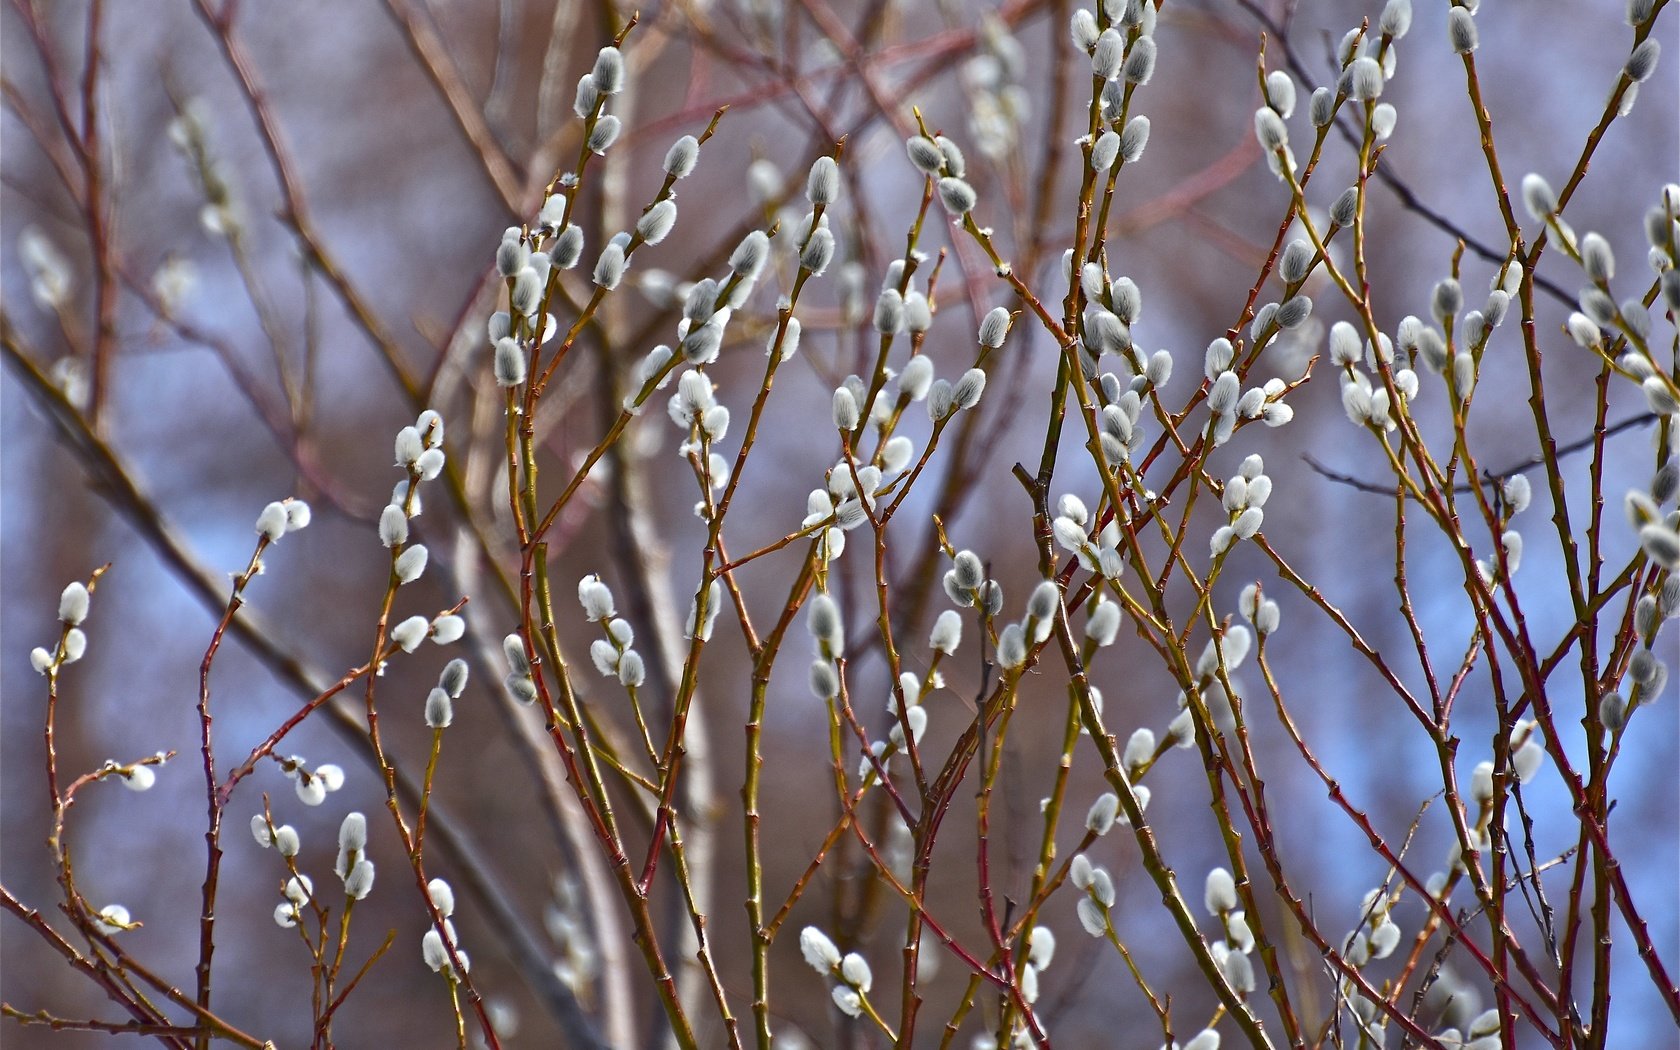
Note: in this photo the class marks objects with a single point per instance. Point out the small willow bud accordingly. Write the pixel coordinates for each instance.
(1105, 151)
(1099, 820)
(1447, 300)
(818, 252)
(1294, 311)
(1134, 138)
(965, 393)
(1642, 62)
(608, 73)
(1321, 108)
(1365, 79)
(1103, 624)
(1280, 92)
(410, 633)
(604, 133)
(1220, 892)
(748, 258)
(994, 327)
(1345, 208)
(1296, 261)
(609, 267)
(1538, 197)
(1082, 30)
(925, 155)
(917, 376)
(1396, 18)
(845, 410)
(73, 604)
(957, 196)
(655, 223)
(955, 163)
(822, 185)
(527, 292)
(1270, 130)
(587, 98)
(1461, 30)
(947, 632)
(1140, 61)
(1597, 259)
(1012, 647)
(682, 156)
(1108, 54)
(510, 363)
(567, 248)
(410, 564)
(1383, 119)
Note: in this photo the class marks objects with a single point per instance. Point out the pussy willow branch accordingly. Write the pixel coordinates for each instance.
(116, 484)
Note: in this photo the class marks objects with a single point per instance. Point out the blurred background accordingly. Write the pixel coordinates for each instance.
(298, 207)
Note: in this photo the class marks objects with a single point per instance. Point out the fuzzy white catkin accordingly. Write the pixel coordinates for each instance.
(1134, 138)
(1321, 107)
(1461, 30)
(747, 260)
(1140, 61)
(1100, 819)
(271, 523)
(442, 897)
(818, 251)
(509, 364)
(854, 970)
(410, 564)
(1280, 92)
(604, 133)
(947, 632)
(1105, 151)
(822, 185)
(359, 883)
(1220, 892)
(608, 73)
(994, 327)
(1270, 130)
(73, 604)
(916, 378)
(393, 526)
(682, 156)
(957, 196)
(845, 410)
(889, 311)
(1104, 623)
(410, 633)
(440, 708)
(1365, 79)
(955, 163)
(820, 953)
(1642, 62)
(609, 266)
(656, 223)
(1396, 18)
(1091, 917)
(1012, 646)
(967, 390)
(925, 155)
(567, 248)
(1108, 54)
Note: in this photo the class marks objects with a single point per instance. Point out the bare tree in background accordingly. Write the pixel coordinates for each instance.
(840, 525)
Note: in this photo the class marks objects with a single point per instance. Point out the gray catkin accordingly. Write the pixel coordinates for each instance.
(822, 185)
(681, 158)
(1134, 139)
(1461, 31)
